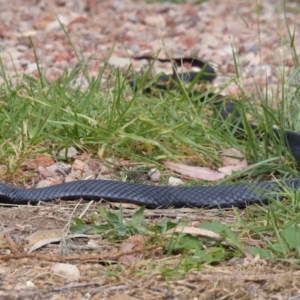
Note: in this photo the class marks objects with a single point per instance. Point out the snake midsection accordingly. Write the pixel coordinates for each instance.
(222, 196)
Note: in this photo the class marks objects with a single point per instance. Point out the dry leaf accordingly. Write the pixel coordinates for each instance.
(228, 170)
(201, 173)
(132, 242)
(138, 240)
(233, 161)
(194, 231)
(44, 237)
(43, 234)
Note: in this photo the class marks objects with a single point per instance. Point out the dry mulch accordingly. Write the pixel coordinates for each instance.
(210, 30)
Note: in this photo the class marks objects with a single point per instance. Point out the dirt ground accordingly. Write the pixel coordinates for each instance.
(31, 276)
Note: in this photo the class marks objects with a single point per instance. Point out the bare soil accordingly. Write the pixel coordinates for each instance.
(104, 276)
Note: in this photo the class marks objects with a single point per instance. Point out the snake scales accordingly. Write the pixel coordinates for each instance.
(163, 196)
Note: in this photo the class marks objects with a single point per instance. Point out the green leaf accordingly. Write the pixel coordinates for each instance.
(78, 221)
(80, 228)
(230, 237)
(165, 225)
(291, 235)
(113, 218)
(203, 255)
(263, 253)
(217, 254)
(186, 243)
(103, 212)
(138, 217)
(280, 248)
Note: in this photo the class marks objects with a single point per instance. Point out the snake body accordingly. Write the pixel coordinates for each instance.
(223, 196)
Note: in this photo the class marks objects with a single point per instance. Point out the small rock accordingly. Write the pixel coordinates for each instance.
(28, 33)
(71, 152)
(66, 56)
(30, 284)
(21, 48)
(31, 67)
(210, 42)
(231, 157)
(80, 165)
(43, 183)
(52, 168)
(104, 169)
(69, 271)
(43, 161)
(3, 168)
(69, 179)
(66, 168)
(55, 24)
(119, 61)
(228, 50)
(154, 175)
(42, 22)
(175, 181)
(46, 173)
(251, 59)
(89, 174)
(112, 161)
(14, 54)
(155, 20)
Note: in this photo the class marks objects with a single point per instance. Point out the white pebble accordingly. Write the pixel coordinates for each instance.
(69, 271)
(175, 181)
(154, 175)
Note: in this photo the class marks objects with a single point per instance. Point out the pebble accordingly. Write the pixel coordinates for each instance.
(154, 175)
(3, 169)
(119, 61)
(43, 183)
(210, 42)
(68, 271)
(155, 20)
(31, 67)
(71, 152)
(173, 181)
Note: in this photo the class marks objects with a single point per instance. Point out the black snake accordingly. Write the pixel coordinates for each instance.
(222, 196)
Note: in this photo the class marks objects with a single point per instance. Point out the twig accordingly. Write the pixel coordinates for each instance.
(31, 293)
(109, 289)
(234, 277)
(76, 285)
(12, 245)
(81, 258)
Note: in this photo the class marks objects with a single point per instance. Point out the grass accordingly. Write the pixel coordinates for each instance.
(119, 122)
(106, 118)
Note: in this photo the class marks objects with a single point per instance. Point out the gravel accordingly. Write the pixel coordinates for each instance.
(210, 30)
